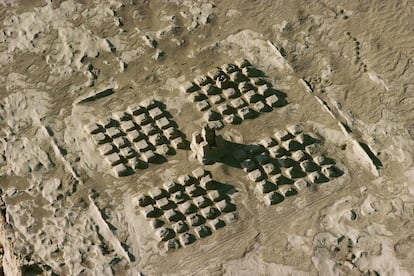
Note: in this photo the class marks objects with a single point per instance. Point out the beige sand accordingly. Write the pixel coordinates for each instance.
(83, 194)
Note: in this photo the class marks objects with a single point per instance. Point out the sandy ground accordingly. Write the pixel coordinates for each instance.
(71, 206)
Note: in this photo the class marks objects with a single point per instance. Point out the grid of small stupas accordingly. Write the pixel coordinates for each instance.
(190, 208)
(285, 164)
(232, 93)
(130, 140)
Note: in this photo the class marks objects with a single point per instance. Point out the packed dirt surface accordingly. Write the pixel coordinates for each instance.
(207, 138)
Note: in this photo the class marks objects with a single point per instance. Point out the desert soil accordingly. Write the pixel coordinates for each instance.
(99, 101)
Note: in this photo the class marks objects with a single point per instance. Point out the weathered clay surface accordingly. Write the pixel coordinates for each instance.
(107, 162)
